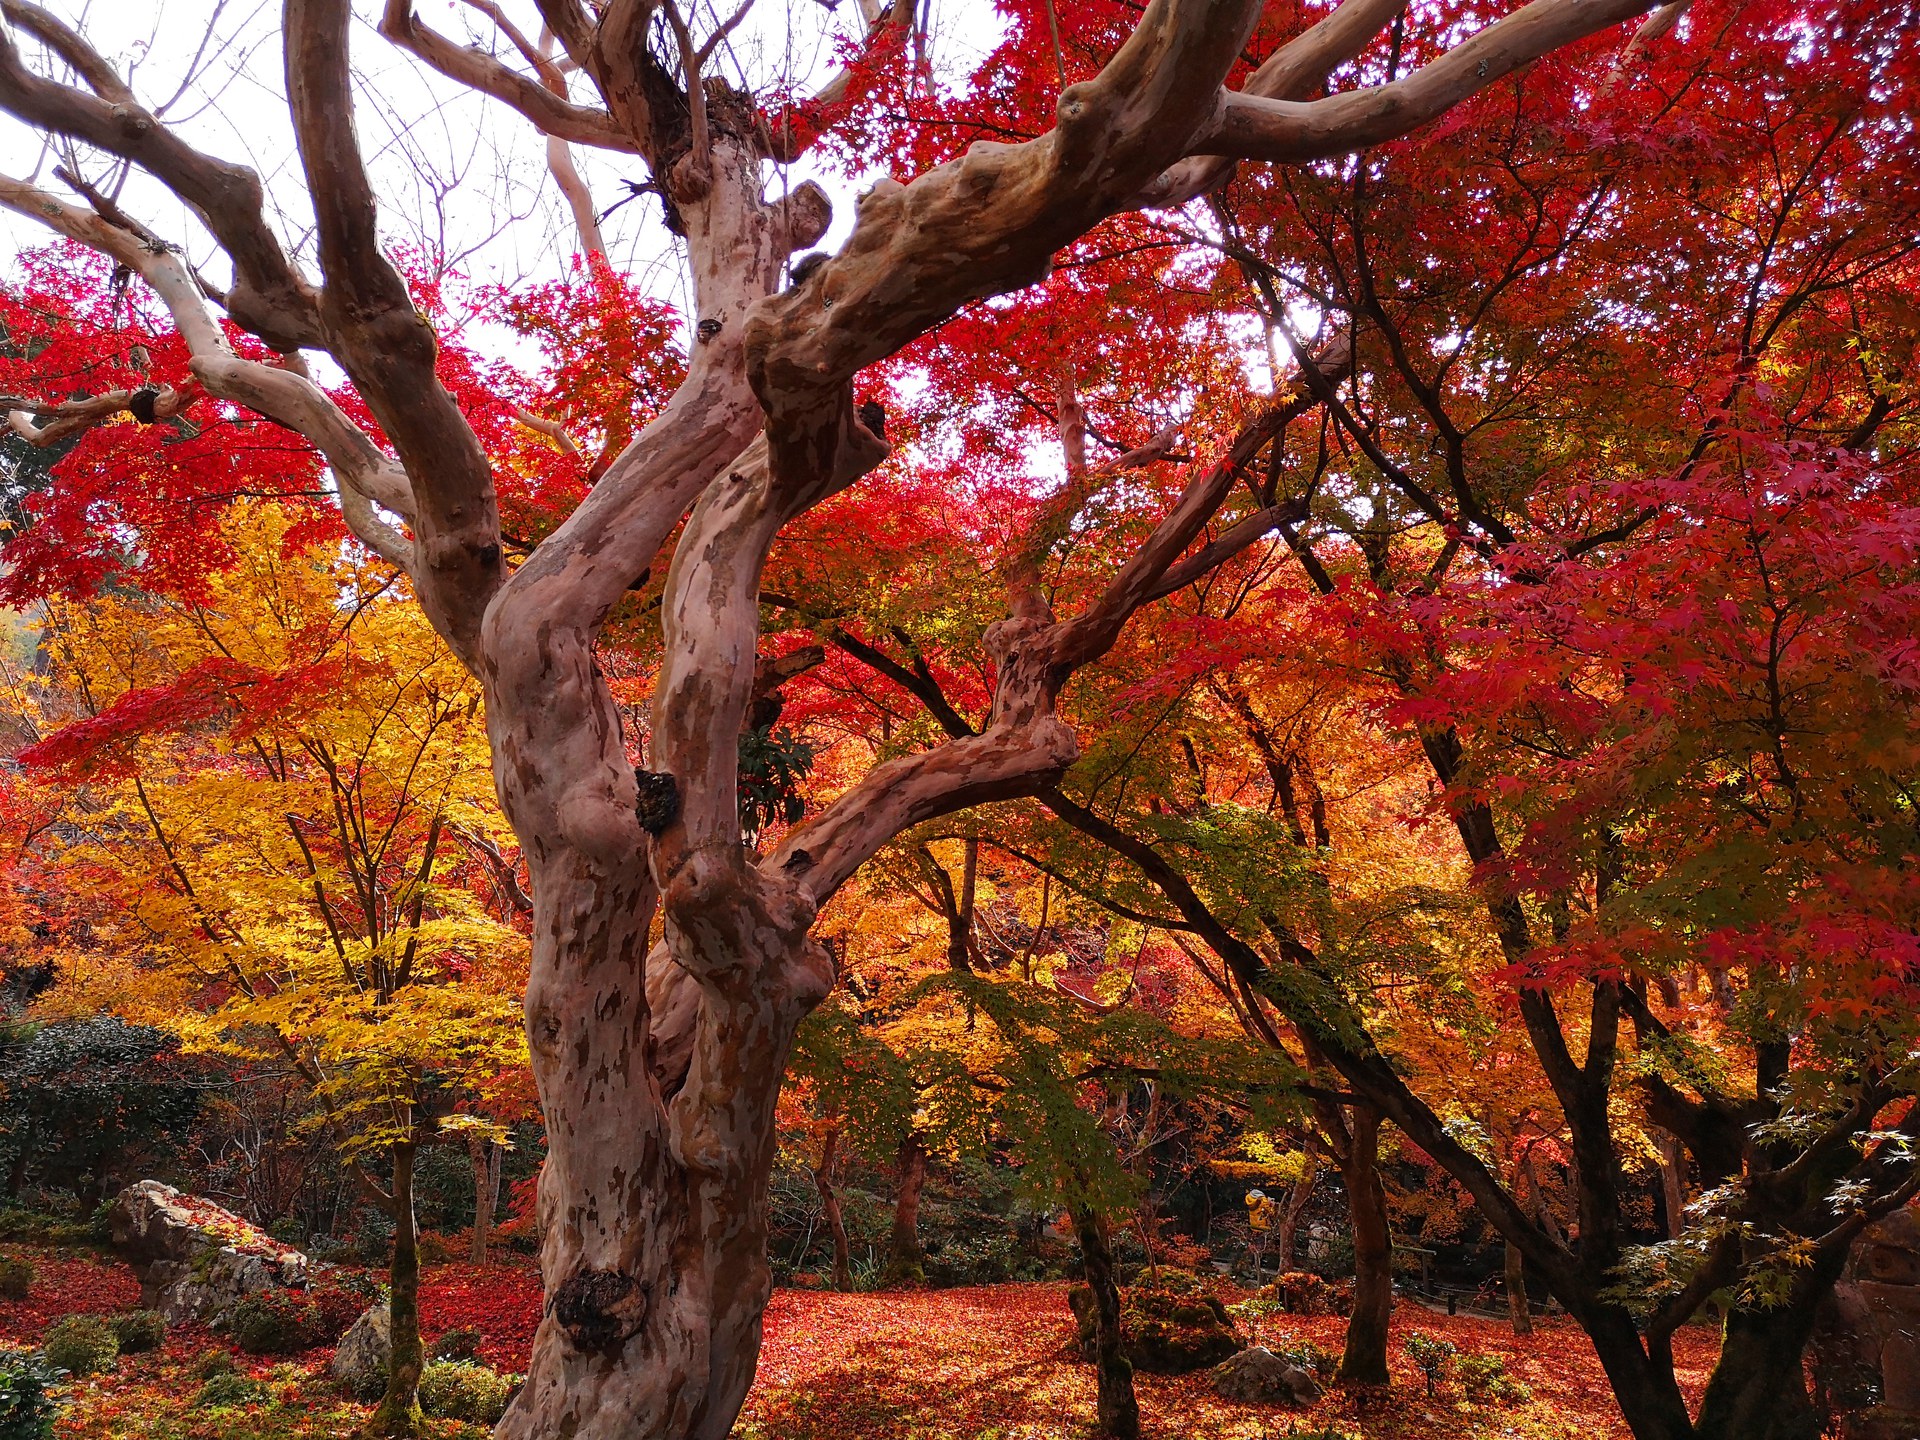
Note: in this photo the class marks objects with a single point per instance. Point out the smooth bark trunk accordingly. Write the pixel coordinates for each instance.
(1758, 1390)
(1117, 1411)
(906, 1263)
(398, 1413)
(1673, 1183)
(1364, 1359)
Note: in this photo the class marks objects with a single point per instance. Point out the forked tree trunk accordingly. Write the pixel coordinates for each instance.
(1518, 1310)
(1117, 1411)
(906, 1262)
(1364, 1359)
(398, 1413)
(1758, 1390)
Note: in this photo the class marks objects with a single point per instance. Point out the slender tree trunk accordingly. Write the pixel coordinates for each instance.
(830, 1207)
(1289, 1236)
(1673, 1183)
(1117, 1411)
(1517, 1307)
(481, 1154)
(398, 1413)
(905, 1261)
(1364, 1360)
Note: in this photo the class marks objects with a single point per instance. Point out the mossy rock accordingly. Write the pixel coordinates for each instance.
(1171, 1323)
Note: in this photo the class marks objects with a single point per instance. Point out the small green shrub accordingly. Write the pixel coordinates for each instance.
(1316, 1360)
(212, 1363)
(462, 1390)
(1431, 1355)
(1484, 1377)
(229, 1388)
(16, 1277)
(139, 1331)
(26, 1409)
(82, 1345)
(274, 1322)
(457, 1344)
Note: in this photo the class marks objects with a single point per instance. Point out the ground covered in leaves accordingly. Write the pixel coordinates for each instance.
(988, 1363)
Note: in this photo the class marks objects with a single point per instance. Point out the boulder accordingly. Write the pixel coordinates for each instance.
(1170, 1323)
(195, 1260)
(1257, 1376)
(361, 1358)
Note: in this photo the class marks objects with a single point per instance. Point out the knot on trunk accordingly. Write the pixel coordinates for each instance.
(656, 800)
(599, 1309)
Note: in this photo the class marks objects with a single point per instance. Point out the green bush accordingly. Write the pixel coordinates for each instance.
(1484, 1377)
(82, 1345)
(212, 1363)
(16, 1277)
(462, 1343)
(1431, 1355)
(26, 1409)
(462, 1390)
(274, 1322)
(139, 1331)
(229, 1388)
(1316, 1360)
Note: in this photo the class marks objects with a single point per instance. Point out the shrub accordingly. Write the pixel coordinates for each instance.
(26, 1409)
(462, 1390)
(1171, 1322)
(274, 1322)
(462, 1343)
(1316, 1360)
(229, 1388)
(1431, 1355)
(212, 1363)
(16, 1277)
(1484, 1377)
(139, 1331)
(81, 1345)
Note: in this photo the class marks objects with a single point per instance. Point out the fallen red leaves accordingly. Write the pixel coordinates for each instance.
(959, 1364)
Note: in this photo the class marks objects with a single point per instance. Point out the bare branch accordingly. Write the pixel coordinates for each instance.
(551, 113)
(269, 297)
(1290, 132)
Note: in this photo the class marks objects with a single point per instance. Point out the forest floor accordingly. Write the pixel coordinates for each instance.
(987, 1363)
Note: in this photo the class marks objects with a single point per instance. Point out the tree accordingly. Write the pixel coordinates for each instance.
(268, 783)
(659, 1076)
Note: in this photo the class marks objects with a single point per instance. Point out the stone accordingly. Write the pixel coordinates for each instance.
(361, 1358)
(1866, 1342)
(1257, 1376)
(196, 1261)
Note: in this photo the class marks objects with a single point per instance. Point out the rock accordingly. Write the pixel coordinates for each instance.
(1257, 1376)
(1866, 1342)
(1170, 1322)
(195, 1260)
(361, 1358)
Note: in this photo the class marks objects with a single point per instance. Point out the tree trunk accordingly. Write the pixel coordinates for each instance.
(830, 1207)
(398, 1413)
(1117, 1411)
(1289, 1236)
(1364, 1360)
(659, 1103)
(1517, 1307)
(1673, 1183)
(905, 1261)
(1758, 1390)
(484, 1156)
